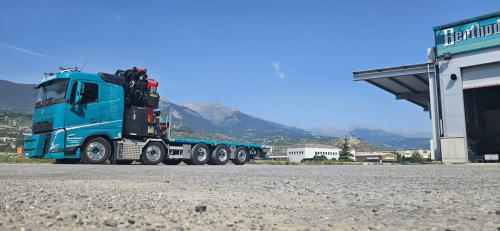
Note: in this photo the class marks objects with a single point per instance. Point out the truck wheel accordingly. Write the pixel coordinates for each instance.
(95, 151)
(220, 156)
(66, 161)
(153, 153)
(172, 161)
(241, 157)
(200, 154)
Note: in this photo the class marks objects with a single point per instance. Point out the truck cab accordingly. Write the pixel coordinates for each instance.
(72, 107)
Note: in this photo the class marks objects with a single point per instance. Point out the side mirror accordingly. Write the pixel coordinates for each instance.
(80, 92)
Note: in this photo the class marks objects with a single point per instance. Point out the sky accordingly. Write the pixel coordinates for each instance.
(286, 61)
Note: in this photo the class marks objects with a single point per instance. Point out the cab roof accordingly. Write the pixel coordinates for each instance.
(66, 75)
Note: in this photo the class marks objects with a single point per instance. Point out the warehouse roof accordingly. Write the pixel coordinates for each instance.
(465, 21)
(409, 82)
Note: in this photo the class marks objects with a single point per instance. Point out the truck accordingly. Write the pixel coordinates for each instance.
(95, 118)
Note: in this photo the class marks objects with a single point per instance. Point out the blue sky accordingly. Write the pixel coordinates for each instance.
(286, 61)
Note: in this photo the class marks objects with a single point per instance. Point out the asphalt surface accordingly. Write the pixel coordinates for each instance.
(250, 197)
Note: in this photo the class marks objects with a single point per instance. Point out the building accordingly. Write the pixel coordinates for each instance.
(426, 154)
(307, 153)
(459, 85)
(376, 157)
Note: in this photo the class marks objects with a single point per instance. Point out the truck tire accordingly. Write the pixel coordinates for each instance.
(199, 155)
(172, 161)
(95, 151)
(241, 156)
(66, 161)
(153, 153)
(220, 155)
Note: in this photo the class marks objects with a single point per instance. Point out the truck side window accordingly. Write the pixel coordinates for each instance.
(73, 92)
(91, 92)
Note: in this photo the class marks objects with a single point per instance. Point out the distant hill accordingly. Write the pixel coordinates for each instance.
(185, 117)
(376, 136)
(238, 124)
(17, 96)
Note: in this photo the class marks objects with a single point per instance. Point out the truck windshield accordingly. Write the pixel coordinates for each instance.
(52, 92)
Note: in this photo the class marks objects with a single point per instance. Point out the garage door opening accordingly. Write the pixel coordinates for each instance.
(482, 111)
(481, 86)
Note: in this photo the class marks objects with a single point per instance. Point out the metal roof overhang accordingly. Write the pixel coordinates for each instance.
(409, 82)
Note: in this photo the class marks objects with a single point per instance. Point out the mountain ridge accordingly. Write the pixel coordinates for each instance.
(374, 135)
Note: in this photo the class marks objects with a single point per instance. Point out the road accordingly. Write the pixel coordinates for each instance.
(250, 197)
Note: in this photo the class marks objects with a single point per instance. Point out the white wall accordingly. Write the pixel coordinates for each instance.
(299, 154)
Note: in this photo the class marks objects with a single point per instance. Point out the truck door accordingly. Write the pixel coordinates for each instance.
(84, 111)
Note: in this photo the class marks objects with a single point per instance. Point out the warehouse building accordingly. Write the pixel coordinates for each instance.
(459, 85)
(376, 157)
(426, 154)
(308, 153)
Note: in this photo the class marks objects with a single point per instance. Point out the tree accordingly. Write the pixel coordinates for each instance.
(416, 157)
(345, 151)
(319, 158)
(400, 158)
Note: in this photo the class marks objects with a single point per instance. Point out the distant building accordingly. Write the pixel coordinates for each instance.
(426, 154)
(308, 153)
(376, 157)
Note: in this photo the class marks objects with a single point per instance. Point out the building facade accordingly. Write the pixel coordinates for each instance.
(459, 86)
(300, 154)
(426, 154)
(376, 157)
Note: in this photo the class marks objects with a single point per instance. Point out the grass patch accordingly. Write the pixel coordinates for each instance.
(12, 158)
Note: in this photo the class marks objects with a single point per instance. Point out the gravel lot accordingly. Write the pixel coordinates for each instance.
(257, 197)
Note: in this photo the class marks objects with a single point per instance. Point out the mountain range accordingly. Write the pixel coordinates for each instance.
(229, 122)
(217, 118)
(390, 139)
(17, 96)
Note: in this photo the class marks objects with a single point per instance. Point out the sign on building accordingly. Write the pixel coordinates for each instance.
(473, 34)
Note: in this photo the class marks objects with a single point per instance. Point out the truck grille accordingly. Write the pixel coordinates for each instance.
(41, 127)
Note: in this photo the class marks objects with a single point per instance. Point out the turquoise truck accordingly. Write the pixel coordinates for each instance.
(94, 118)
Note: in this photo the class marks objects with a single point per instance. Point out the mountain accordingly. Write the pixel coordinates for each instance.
(375, 135)
(215, 112)
(17, 96)
(185, 117)
(234, 123)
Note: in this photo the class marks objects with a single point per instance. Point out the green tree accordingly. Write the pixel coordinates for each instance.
(416, 157)
(345, 151)
(400, 158)
(319, 158)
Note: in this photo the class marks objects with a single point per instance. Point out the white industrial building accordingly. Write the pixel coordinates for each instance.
(307, 153)
(459, 85)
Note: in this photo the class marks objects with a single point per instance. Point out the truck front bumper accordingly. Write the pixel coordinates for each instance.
(45, 145)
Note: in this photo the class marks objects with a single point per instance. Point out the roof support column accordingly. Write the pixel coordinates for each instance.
(434, 110)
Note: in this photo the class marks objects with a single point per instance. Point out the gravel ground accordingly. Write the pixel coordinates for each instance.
(250, 197)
